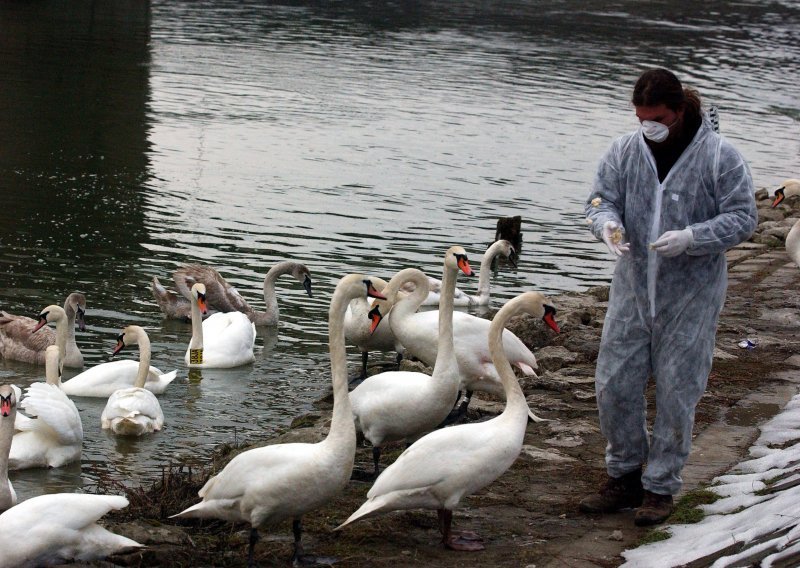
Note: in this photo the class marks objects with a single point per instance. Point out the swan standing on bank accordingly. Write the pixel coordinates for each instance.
(221, 296)
(402, 405)
(22, 340)
(443, 467)
(789, 188)
(418, 333)
(461, 298)
(360, 328)
(220, 341)
(133, 411)
(103, 379)
(55, 436)
(268, 485)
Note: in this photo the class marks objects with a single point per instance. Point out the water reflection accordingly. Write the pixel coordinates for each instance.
(351, 136)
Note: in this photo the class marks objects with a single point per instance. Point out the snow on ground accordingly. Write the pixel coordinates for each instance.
(757, 517)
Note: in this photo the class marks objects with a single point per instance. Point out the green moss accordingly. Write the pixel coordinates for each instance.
(686, 509)
(655, 535)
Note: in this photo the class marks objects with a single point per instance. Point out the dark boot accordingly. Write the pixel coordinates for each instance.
(617, 493)
(654, 510)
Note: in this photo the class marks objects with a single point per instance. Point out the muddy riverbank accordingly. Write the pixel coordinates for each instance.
(529, 516)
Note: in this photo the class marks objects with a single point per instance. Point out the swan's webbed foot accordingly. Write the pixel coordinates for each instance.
(463, 543)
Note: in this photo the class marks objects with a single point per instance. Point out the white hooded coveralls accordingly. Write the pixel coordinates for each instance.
(663, 312)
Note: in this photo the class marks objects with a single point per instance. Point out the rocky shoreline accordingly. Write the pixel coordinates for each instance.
(529, 516)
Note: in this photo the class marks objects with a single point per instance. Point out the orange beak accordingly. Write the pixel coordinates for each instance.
(463, 264)
(375, 316)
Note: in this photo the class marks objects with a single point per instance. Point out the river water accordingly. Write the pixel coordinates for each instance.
(351, 136)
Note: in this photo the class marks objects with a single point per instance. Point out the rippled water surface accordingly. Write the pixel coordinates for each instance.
(353, 136)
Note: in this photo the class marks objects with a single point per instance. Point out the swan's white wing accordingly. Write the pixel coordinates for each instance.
(55, 411)
(228, 338)
(52, 528)
(103, 379)
(133, 402)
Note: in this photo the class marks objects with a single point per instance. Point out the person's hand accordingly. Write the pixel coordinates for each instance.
(673, 243)
(612, 236)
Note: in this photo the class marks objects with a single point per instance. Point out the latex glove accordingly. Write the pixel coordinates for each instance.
(673, 243)
(612, 236)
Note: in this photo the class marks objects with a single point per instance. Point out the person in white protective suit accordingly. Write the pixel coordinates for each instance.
(668, 200)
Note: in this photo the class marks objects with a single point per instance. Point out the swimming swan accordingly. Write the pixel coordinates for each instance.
(402, 405)
(55, 436)
(461, 298)
(222, 340)
(133, 411)
(58, 528)
(270, 484)
(8, 414)
(221, 296)
(103, 379)
(441, 468)
(21, 340)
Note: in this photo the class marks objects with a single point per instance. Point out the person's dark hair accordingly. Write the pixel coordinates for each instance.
(661, 86)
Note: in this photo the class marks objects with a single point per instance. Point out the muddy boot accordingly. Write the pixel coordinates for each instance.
(654, 510)
(617, 493)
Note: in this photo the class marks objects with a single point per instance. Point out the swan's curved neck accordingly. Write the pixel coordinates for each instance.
(485, 274)
(52, 371)
(62, 334)
(516, 404)
(445, 354)
(144, 360)
(196, 342)
(273, 273)
(6, 435)
(343, 428)
(413, 301)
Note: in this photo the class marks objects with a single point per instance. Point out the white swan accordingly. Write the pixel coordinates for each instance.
(221, 296)
(8, 414)
(268, 485)
(103, 379)
(441, 468)
(133, 411)
(402, 405)
(220, 341)
(789, 188)
(418, 332)
(361, 329)
(58, 528)
(461, 298)
(22, 340)
(55, 437)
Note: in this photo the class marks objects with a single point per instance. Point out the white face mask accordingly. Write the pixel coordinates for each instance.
(655, 131)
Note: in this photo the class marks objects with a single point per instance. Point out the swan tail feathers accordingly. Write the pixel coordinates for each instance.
(526, 369)
(536, 418)
(370, 508)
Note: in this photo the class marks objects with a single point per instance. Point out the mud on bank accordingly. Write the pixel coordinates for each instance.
(528, 517)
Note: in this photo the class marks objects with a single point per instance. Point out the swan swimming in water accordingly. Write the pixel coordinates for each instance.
(222, 340)
(22, 340)
(133, 411)
(402, 405)
(103, 379)
(267, 485)
(221, 296)
(444, 466)
(55, 436)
